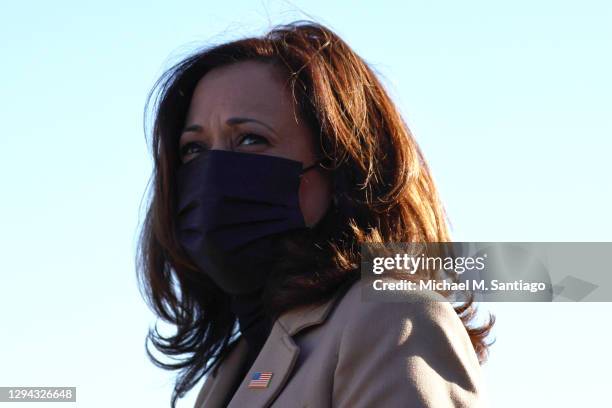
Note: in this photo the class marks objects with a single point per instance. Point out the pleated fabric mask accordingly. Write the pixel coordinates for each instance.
(229, 206)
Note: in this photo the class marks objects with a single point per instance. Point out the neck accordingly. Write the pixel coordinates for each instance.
(254, 323)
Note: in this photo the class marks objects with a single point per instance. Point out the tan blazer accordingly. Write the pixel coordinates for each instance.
(351, 353)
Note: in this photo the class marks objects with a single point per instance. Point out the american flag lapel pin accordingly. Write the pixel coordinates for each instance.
(260, 379)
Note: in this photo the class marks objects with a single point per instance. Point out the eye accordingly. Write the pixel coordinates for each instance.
(247, 139)
(189, 149)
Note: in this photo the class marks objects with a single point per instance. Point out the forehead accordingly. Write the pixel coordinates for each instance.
(248, 87)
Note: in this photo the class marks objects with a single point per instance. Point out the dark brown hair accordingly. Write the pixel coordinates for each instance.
(383, 192)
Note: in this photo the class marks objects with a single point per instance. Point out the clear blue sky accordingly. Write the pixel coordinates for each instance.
(510, 102)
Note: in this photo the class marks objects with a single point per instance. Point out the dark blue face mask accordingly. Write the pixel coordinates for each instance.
(231, 207)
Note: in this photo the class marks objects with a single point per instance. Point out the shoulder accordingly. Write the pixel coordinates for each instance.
(416, 345)
(424, 310)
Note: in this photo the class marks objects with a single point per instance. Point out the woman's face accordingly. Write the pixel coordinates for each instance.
(244, 107)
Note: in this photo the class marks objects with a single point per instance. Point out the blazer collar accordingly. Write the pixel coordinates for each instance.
(278, 356)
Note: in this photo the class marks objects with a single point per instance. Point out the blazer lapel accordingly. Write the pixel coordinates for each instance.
(216, 387)
(278, 355)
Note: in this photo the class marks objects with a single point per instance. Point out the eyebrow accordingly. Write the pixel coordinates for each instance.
(231, 122)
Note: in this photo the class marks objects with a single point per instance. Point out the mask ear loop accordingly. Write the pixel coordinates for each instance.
(318, 163)
(312, 166)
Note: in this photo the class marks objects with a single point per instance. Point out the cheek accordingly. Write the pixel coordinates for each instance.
(315, 195)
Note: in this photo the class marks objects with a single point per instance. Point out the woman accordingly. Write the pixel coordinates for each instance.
(274, 158)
